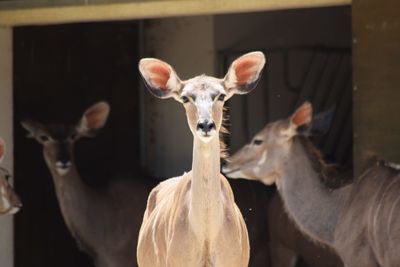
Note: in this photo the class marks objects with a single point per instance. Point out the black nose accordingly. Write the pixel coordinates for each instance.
(206, 126)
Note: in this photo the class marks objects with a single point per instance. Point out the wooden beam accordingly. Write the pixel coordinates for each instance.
(148, 9)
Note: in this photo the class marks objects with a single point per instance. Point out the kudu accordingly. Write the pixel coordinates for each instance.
(102, 220)
(9, 200)
(192, 220)
(287, 245)
(358, 220)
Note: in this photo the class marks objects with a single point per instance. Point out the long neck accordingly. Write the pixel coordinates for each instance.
(314, 207)
(78, 202)
(206, 194)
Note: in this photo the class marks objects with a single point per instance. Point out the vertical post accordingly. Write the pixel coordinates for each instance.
(376, 64)
(6, 132)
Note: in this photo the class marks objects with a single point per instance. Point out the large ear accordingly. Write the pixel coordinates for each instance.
(302, 116)
(300, 119)
(31, 127)
(322, 122)
(244, 73)
(93, 119)
(161, 79)
(2, 149)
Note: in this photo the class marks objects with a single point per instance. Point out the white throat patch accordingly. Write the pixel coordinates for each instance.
(62, 171)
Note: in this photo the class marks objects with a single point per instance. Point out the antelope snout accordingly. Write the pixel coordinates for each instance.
(62, 166)
(16, 207)
(205, 127)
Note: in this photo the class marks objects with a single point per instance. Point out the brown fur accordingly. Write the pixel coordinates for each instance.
(331, 175)
(223, 132)
(99, 219)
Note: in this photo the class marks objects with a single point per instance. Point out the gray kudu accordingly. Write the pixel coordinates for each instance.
(102, 220)
(287, 244)
(9, 200)
(359, 221)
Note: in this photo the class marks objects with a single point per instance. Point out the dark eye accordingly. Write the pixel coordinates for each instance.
(185, 99)
(221, 97)
(8, 177)
(257, 142)
(44, 138)
(73, 136)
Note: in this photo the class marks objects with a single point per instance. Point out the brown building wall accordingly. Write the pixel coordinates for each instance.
(376, 74)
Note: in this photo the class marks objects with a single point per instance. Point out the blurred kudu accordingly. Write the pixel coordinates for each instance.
(9, 200)
(103, 221)
(359, 221)
(287, 243)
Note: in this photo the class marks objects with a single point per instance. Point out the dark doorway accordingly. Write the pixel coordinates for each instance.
(59, 71)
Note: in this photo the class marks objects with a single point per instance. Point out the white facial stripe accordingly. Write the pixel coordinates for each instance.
(204, 107)
(6, 202)
(263, 158)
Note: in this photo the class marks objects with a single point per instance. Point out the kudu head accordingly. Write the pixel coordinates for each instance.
(9, 200)
(203, 96)
(264, 157)
(58, 139)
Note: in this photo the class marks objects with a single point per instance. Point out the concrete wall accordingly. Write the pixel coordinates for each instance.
(6, 126)
(274, 32)
(188, 45)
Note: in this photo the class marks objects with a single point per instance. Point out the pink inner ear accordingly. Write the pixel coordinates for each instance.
(158, 74)
(95, 117)
(302, 115)
(246, 69)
